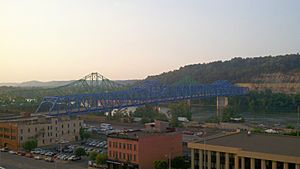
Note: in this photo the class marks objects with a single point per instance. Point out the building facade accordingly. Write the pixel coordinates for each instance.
(46, 130)
(246, 151)
(139, 149)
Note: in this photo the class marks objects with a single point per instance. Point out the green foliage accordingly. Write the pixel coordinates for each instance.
(257, 130)
(79, 152)
(295, 133)
(149, 114)
(29, 145)
(229, 113)
(101, 159)
(160, 164)
(180, 109)
(84, 134)
(234, 70)
(289, 126)
(93, 155)
(179, 163)
(265, 101)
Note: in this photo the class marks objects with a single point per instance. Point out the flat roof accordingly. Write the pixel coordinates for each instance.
(262, 143)
(137, 134)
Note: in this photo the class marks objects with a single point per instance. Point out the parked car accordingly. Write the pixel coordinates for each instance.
(29, 155)
(74, 158)
(4, 149)
(21, 153)
(38, 158)
(49, 159)
(12, 152)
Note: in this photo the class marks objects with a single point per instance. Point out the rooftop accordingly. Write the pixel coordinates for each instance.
(263, 143)
(138, 134)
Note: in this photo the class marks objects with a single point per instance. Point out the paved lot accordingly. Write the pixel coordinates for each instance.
(10, 161)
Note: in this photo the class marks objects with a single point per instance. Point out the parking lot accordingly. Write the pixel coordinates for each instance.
(11, 161)
(59, 156)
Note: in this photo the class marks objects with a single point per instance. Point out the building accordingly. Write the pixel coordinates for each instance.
(246, 151)
(157, 125)
(139, 149)
(45, 129)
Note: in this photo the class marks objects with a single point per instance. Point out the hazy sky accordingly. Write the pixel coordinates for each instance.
(128, 39)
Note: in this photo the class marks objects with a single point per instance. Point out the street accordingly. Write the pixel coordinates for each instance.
(11, 161)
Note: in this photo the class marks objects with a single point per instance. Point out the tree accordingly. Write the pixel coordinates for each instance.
(29, 145)
(101, 159)
(93, 155)
(84, 134)
(179, 163)
(79, 151)
(160, 164)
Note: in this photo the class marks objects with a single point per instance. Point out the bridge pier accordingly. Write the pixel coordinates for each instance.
(222, 102)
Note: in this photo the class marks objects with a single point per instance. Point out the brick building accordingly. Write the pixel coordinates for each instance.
(45, 129)
(139, 149)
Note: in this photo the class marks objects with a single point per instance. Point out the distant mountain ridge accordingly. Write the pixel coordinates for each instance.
(268, 69)
(51, 84)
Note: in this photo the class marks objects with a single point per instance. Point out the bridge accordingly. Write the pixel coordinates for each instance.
(119, 96)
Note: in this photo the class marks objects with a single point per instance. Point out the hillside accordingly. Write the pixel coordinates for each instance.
(268, 69)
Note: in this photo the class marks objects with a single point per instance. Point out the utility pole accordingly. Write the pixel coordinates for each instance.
(170, 161)
(298, 120)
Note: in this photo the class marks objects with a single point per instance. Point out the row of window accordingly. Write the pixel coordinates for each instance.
(122, 145)
(7, 130)
(8, 137)
(49, 128)
(122, 156)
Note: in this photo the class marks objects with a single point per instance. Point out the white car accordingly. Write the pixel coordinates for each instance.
(12, 152)
(38, 158)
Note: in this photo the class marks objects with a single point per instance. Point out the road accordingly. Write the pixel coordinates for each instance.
(10, 161)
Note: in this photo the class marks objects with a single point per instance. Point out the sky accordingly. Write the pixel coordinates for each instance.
(130, 39)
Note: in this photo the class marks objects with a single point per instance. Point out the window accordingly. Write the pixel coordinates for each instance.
(74, 124)
(35, 129)
(21, 138)
(62, 126)
(68, 125)
(21, 131)
(127, 146)
(124, 156)
(120, 145)
(50, 140)
(134, 157)
(74, 131)
(134, 147)
(130, 146)
(109, 144)
(28, 130)
(124, 146)
(110, 153)
(130, 157)
(43, 141)
(120, 155)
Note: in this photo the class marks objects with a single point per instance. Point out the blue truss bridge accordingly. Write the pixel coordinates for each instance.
(117, 96)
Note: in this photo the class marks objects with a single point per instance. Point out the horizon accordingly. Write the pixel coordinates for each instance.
(130, 40)
(66, 80)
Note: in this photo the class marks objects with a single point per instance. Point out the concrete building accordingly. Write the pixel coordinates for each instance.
(139, 149)
(45, 129)
(246, 151)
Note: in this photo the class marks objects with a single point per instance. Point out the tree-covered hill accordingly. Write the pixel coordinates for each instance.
(268, 69)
